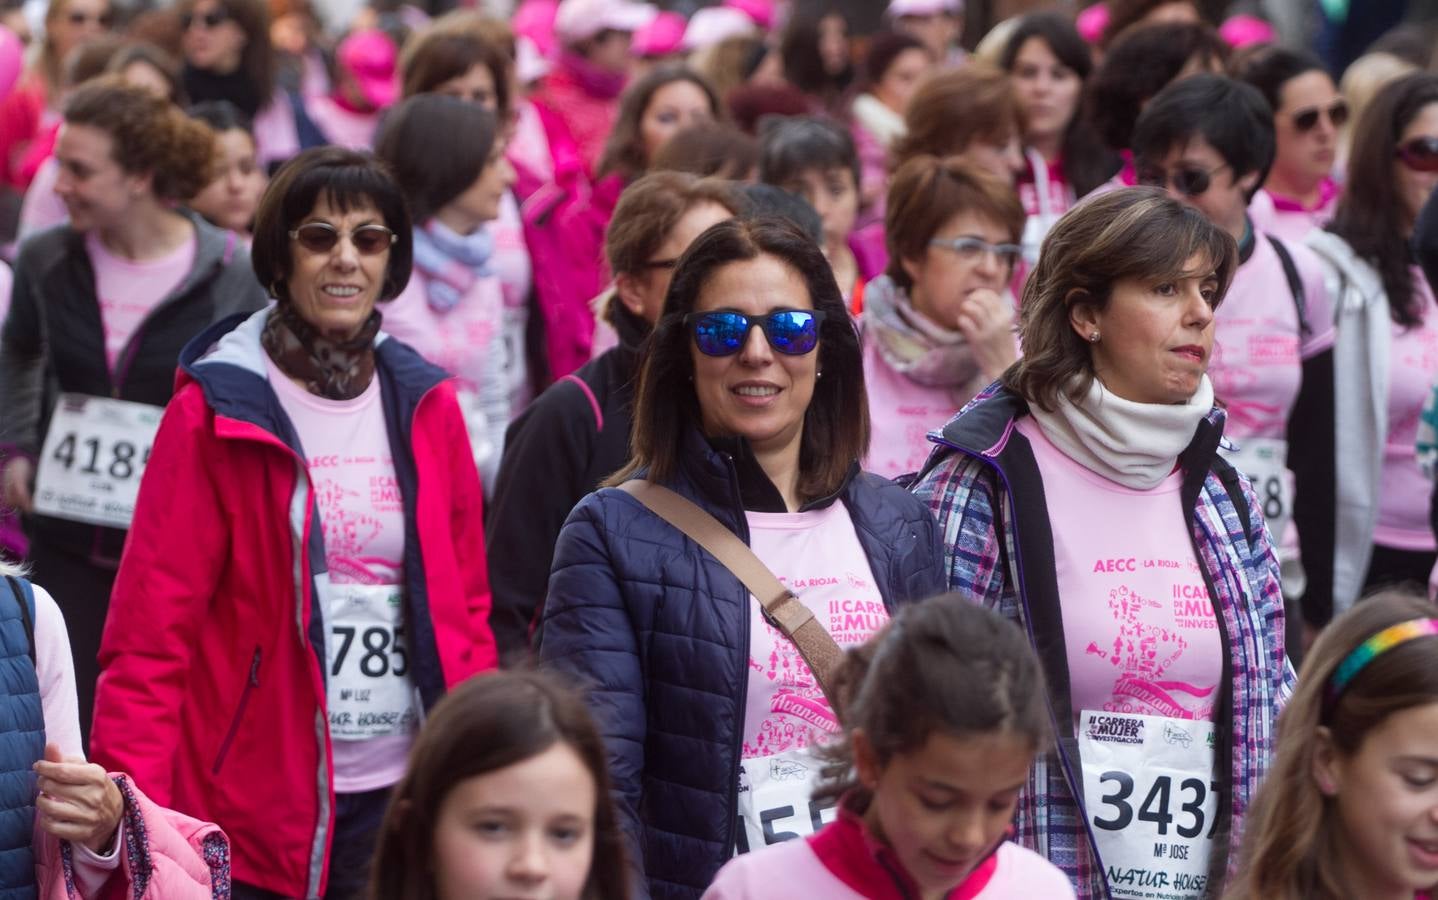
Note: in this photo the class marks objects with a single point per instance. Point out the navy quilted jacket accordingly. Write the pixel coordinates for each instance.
(659, 630)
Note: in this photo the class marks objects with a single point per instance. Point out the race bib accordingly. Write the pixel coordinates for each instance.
(371, 692)
(1151, 802)
(1265, 462)
(94, 455)
(775, 800)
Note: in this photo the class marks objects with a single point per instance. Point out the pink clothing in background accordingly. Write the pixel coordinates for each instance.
(55, 670)
(1140, 628)
(343, 127)
(1258, 352)
(585, 117)
(277, 137)
(351, 470)
(528, 147)
(42, 207)
(1288, 219)
(1404, 492)
(901, 414)
(128, 289)
(515, 271)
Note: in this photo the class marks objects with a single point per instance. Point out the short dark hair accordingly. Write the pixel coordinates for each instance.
(771, 200)
(489, 723)
(347, 179)
(432, 172)
(884, 49)
(1269, 68)
(221, 116)
(1137, 66)
(708, 149)
(155, 58)
(1126, 14)
(836, 424)
(257, 60)
(445, 52)
(1230, 115)
(791, 146)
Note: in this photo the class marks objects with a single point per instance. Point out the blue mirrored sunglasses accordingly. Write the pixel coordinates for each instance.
(792, 332)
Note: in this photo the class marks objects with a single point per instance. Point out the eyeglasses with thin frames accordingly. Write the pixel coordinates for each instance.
(322, 237)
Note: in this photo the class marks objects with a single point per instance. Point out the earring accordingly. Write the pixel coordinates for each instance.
(819, 374)
(1093, 338)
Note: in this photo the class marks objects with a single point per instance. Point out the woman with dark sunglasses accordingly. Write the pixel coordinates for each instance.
(306, 574)
(751, 405)
(1084, 498)
(100, 310)
(1300, 193)
(938, 325)
(1387, 349)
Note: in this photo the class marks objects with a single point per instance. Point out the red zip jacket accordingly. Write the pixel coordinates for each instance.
(212, 696)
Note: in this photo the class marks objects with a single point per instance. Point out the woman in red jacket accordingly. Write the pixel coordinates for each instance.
(305, 575)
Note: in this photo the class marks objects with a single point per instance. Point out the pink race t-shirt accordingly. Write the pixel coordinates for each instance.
(129, 289)
(901, 414)
(351, 470)
(1403, 490)
(1258, 349)
(817, 555)
(343, 127)
(515, 271)
(1140, 628)
(1290, 220)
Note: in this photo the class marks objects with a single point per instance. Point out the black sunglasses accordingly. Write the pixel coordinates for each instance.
(322, 237)
(1420, 154)
(1337, 114)
(212, 19)
(1190, 181)
(793, 332)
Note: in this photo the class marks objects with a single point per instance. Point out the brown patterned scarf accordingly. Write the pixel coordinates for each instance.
(336, 370)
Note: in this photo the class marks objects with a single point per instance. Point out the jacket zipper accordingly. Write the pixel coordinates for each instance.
(250, 684)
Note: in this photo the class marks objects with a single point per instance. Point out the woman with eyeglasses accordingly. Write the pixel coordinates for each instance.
(100, 310)
(279, 698)
(32, 107)
(750, 404)
(938, 325)
(1300, 193)
(452, 310)
(228, 56)
(1084, 497)
(1387, 342)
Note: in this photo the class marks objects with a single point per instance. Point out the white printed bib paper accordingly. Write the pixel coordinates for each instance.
(1265, 462)
(775, 802)
(371, 693)
(93, 457)
(1151, 802)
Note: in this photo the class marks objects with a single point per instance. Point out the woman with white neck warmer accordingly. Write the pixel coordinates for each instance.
(938, 324)
(1084, 497)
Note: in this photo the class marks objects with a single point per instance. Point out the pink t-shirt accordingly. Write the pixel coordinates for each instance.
(341, 126)
(129, 289)
(818, 556)
(516, 278)
(1403, 490)
(1140, 628)
(1288, 219)
(351, 471)
(901, 414)
(1258, 351)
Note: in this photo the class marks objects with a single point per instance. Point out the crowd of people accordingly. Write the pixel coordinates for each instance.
(598, 452)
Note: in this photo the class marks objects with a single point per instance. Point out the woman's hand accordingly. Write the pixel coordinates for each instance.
(78, 801)
(986, 321)
(15, 490)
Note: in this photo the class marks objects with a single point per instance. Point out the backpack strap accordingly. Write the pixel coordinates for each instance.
(781, 608)
(27, 613)
(1295, 284)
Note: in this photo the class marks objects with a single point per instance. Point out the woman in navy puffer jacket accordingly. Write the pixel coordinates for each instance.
(751, 404)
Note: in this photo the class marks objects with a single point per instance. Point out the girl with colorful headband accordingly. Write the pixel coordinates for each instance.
(1350, 807)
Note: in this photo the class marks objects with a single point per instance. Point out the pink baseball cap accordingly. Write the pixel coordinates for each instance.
(371, 58)
(761, 11)
(1092, 23)
(662, 36)
(713, 24)
(535, 20)
(579, 20)
(1244, 31)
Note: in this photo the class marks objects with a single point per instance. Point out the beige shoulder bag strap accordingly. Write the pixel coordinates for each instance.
(781, 608)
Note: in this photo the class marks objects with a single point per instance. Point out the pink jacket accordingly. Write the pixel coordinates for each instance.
(166, 855)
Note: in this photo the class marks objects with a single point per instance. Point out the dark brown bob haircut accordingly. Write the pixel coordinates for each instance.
(347, 179)
(488, 723)
(836, 424)
(442, 53)
(433, 173)
(1139, 233)
(927, 192)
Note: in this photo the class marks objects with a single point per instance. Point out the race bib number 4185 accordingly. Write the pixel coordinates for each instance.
(94, 455)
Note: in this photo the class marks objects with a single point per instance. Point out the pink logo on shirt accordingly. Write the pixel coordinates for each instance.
(1143, 652)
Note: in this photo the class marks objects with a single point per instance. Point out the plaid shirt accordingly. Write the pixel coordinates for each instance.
(962, 483)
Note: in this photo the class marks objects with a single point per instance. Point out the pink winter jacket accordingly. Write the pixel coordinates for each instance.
(166, 855)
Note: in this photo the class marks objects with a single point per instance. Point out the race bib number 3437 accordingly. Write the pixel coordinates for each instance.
(1151, 801)
(94, 455)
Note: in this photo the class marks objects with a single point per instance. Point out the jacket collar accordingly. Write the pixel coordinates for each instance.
(720, 466)
(854, 855)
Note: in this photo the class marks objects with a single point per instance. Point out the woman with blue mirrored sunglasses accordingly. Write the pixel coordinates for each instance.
(793, 332)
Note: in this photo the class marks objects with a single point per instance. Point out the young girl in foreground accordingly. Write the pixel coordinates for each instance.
(506, 795)
(1350, 807)
(943, 714)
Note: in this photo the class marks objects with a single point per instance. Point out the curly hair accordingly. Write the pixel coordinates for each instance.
(149, 134)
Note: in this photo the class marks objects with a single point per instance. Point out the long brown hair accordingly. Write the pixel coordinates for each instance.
(836, 424)
(1291, 849)
(491, 722)
(1137, 232)
(624, 151)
